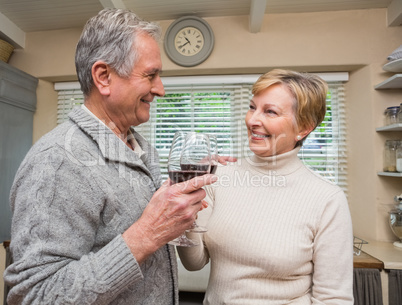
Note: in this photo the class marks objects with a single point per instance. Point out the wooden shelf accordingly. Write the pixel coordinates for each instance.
(389, 174)
(393, 127)
(394, 82)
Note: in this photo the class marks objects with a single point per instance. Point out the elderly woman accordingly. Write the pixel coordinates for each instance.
(277, 232)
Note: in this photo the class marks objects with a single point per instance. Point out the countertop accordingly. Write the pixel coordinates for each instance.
(385, 252)
(365, 260)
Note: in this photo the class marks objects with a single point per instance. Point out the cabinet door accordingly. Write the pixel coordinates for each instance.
(17, 106)
(15, 139)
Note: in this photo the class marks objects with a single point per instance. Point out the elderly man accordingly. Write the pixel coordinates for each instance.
(91, 220)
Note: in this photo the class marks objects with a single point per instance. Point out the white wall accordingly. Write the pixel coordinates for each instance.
(354, 41)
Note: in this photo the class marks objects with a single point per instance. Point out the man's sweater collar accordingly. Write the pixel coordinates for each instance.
(111, 146)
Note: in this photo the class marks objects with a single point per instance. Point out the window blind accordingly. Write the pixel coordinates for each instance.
(324, 150)
(218, 105)
(68, 99)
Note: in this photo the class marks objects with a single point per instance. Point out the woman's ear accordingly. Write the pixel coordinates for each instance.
(304, 132)
(101, 77)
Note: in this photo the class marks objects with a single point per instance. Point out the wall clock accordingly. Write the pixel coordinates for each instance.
(189, 41)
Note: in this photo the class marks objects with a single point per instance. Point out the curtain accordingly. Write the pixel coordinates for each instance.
(367, 289)
(395, 287)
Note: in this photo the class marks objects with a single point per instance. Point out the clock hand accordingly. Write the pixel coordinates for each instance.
(184, 44)
(188, 41)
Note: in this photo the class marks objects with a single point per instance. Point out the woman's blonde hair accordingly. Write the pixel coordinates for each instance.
(309, 92)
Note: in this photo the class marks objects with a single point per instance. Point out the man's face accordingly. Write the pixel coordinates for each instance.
(131, 97)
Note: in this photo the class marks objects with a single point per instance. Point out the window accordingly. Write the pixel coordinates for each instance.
(218, 105)
(324, 150)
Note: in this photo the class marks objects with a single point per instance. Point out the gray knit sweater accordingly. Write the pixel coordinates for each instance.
(78, 189)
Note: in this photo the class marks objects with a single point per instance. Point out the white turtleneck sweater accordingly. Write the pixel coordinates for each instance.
(277, 234)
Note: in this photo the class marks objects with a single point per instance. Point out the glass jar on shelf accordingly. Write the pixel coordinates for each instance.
(390, 155)
(391, 115)
(399, 157)
(400, 114)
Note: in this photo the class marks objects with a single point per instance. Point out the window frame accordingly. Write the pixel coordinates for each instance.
(334, 162)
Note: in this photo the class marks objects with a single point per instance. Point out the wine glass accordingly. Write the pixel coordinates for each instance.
(213, 142)
(196, 157)
(189, 157)
(176, 176)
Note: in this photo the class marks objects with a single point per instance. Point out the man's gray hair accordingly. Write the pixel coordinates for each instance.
(110, 36)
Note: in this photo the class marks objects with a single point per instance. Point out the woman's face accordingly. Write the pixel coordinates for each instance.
(271, 122)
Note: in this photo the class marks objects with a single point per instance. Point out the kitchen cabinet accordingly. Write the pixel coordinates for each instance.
(17, 106)
(394, 82)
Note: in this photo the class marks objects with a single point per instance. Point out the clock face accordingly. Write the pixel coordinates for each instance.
(189, 41)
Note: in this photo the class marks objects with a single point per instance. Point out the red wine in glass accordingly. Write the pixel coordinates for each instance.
(213, 169)
(184, 175)
(213, 142)
(187, 172)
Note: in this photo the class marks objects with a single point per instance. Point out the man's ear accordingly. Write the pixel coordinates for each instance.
(101, 77)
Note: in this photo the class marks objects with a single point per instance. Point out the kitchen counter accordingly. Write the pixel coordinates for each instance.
(386, 252)
(365, 260)
(383, 256)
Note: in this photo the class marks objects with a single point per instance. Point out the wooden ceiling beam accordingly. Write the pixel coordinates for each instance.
(394, 13)
(257, 12)
(11, 33)
(112, 3)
